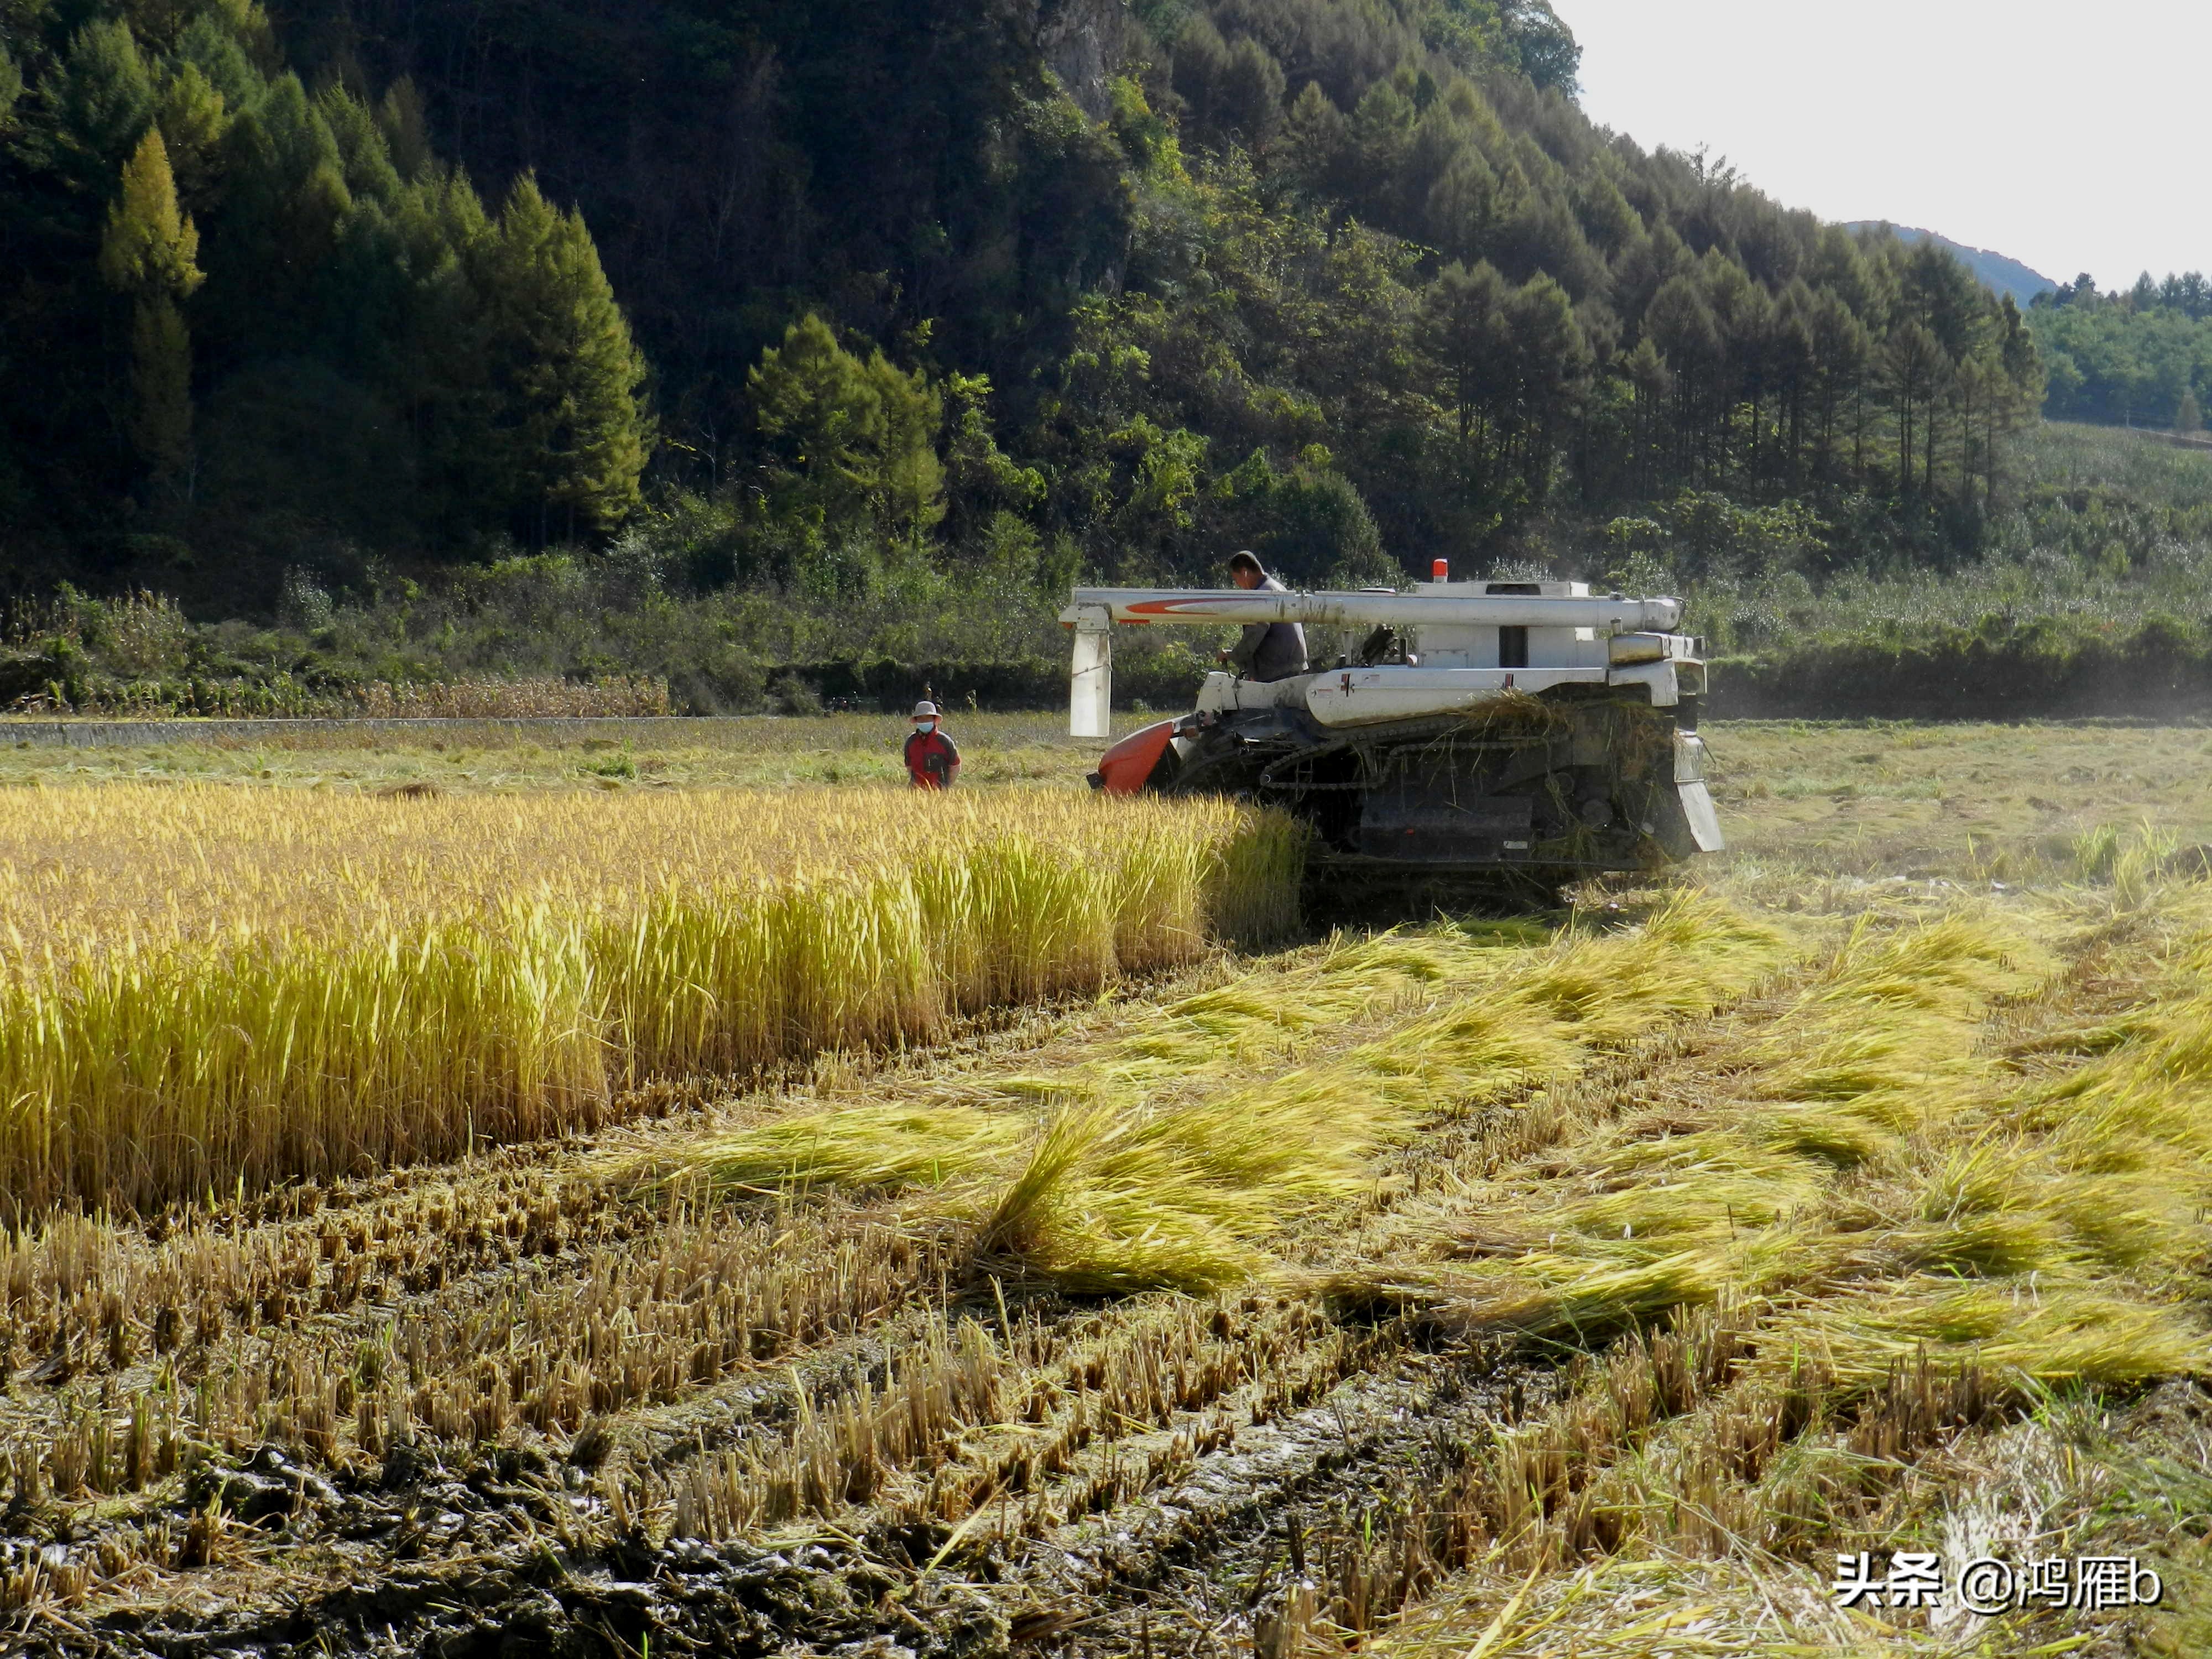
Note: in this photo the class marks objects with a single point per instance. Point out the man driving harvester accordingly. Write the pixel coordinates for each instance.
(931, 760)
(1265, 651)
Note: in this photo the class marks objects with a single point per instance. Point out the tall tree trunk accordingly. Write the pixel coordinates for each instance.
(1927, 470)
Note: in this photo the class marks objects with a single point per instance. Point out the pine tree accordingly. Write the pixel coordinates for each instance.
(1651, 381)
(434, 355)
(406, 130)
(150, 252)
(1552, 363)
(194, 119)
(911, 490)
(1840, 349)
(1201, 57)
(853, 442)
(1380, 137)
(1464, 332)
(1682, 326)
(1789, 365)
(1250, 95)
(1462, 204)
(822, 422)
(94, 108)
(362, 147)
(1911, 365)
(1313, 140)
(572, 436)
(150, 246)
(2016, 349)
(285, 202)
(11, 89)
(162, 386)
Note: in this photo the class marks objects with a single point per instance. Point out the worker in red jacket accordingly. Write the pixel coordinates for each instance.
(932, 761)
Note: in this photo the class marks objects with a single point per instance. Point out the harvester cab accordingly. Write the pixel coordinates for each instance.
(1515, 733)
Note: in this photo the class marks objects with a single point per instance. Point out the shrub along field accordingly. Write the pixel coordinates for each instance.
(2083, 599)
(952, 1226)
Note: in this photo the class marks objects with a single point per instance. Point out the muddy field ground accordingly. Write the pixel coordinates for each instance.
(1625, 1266)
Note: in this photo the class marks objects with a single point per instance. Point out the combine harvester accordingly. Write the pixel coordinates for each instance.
(1485, 738)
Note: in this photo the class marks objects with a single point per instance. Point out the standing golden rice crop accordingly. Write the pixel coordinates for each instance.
(202, 986)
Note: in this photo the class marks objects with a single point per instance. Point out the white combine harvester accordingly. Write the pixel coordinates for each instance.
(1523, 734)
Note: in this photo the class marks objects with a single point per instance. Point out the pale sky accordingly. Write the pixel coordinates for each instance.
(2071, 138)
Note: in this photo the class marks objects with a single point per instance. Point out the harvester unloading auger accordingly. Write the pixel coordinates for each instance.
(1485, 734)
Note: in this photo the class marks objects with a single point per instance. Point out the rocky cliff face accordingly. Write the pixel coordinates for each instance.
(1085, 43)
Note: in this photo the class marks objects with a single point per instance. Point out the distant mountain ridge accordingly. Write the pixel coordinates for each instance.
(2001, 274)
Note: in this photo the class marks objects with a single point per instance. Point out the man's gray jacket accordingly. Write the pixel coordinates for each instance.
(1270, 651)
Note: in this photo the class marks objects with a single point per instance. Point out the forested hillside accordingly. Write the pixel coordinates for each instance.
(2139, 357)
(238, 307)
(1999, 273)
(844, 298)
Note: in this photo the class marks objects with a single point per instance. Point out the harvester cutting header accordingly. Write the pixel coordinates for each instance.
(1532, 731)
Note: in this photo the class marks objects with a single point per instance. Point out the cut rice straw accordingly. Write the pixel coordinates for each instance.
(1166, 1162)
(1885, 1185)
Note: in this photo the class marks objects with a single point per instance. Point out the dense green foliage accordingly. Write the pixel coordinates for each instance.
(2139, 358)
(930, 294)
(1998, 273)
(244, 321)
(582, 619)
(2091, 600)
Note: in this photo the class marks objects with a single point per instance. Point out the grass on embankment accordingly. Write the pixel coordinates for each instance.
(200, 988)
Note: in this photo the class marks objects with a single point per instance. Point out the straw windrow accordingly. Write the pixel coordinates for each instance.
(1882, 1178)
(1167, 1162)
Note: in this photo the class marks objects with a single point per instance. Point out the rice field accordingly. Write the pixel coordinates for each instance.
(203, 990)
(816, 1220)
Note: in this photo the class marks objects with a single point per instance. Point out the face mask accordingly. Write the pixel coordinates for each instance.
(925, 727)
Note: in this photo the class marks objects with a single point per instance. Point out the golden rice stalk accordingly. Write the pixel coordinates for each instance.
(1100, 1205)
(865, 1149)
(1886, 1037)
(2035, 1333)
(145, 1075)
(1581, 1300)
(1168, 1163)
(202, 986)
